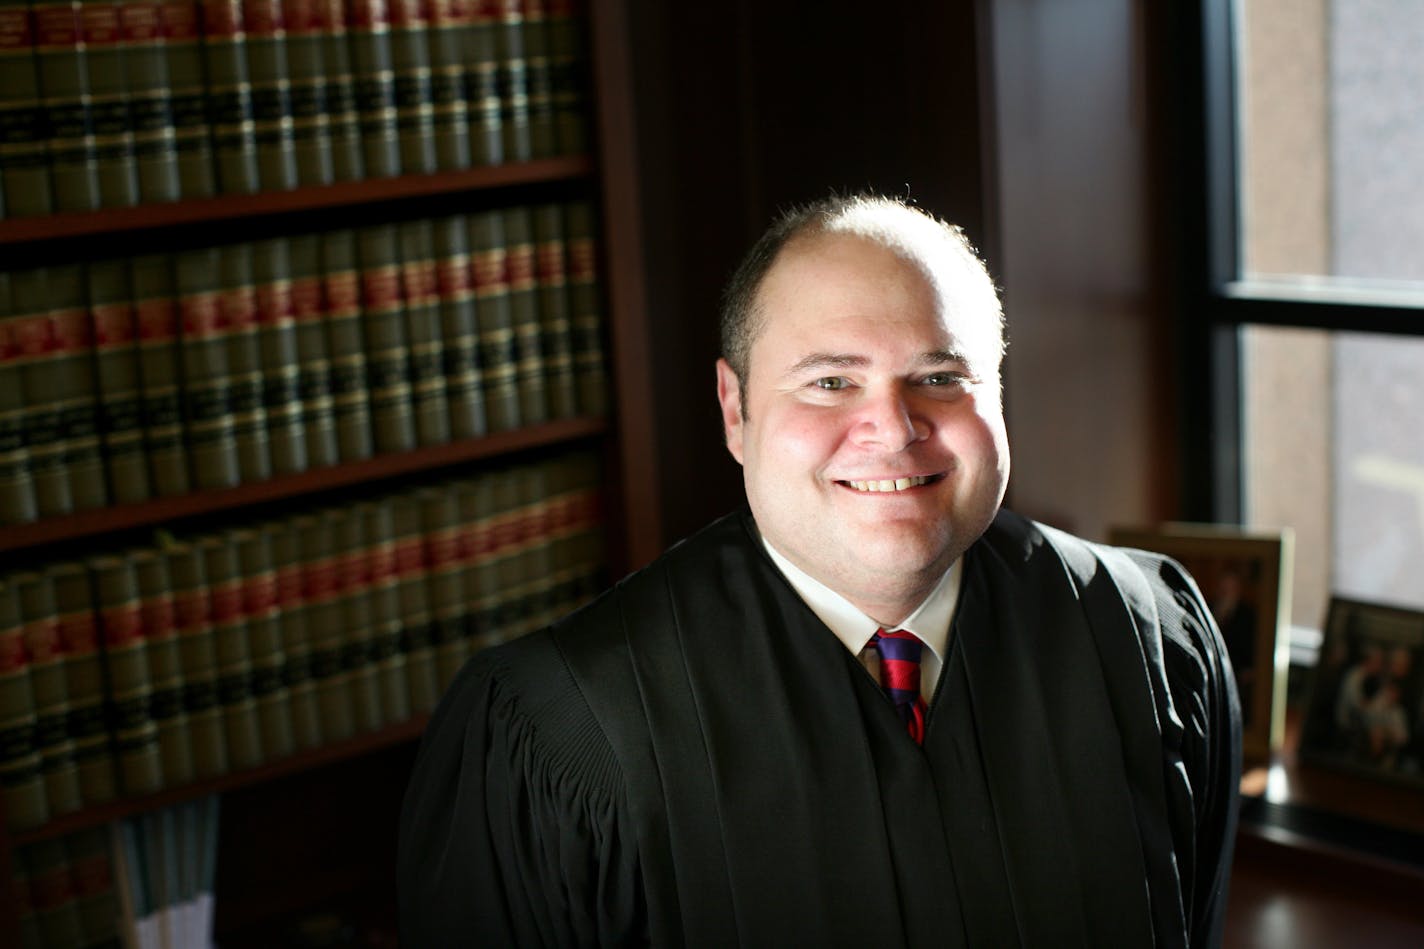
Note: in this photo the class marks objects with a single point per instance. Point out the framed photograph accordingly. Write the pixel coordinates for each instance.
(1365, 712)
(1245, 578)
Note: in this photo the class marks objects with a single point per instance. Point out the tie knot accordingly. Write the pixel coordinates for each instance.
(900, 675)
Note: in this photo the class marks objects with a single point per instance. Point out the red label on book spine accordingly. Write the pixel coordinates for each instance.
(101, 25)
(239, 307)
(15, 31)
(57, 25)
(113, 324)
(79, 632)
(123, 625)
(157, 320)
(222, 19)
(140, 22)
(275, 302)
(180, 20)
(201, 315)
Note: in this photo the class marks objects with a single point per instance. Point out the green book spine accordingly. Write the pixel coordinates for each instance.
(513, 78)
(504, 554)
(84, 681)
(24, 160)
(555, 323)
(561, 525)
(120, 395)
(498, 354)
(384, 600)
(306, 70)
(96, 900)
(313, 359)
(17, 486)
(51, 691)
(187, 86)
(280, 365)
(542, 589)
(52, 888)
(474, 500)
(165, 665)
(346, 343)
(517, 564)
(197, 645)
(71, 364)
(568, 70)
(387, 350)
(445, 581)
(33, 344)
(105, 54)
(421, 290)
(410, 65)
(353, 577)
(233, 652)
(323, 593)
(264, 641)
(238, 302)
(448, 21)
(140, 758)
(207, 377)
(480, 54)
(155, 141)
(286, 544)
(348, 161)
(64, 88)
(416, 638)
(230, 97)
(588, 520)
(524, 311)
(459, 327)
(271, 94)
(159, 370)
(539, 75)
(22, 789)
(373, 70)
(586, 311)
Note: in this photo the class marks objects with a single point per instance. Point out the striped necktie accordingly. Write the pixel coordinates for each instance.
(900, 677)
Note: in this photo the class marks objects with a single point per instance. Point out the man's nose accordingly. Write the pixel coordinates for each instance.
(887, 419)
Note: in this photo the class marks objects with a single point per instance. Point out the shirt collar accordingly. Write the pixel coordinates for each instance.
(929, 621)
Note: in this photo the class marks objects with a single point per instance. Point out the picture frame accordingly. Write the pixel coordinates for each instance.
(1365, 706)
(1245, 578)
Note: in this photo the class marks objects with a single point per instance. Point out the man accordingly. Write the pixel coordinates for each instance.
(704, 755)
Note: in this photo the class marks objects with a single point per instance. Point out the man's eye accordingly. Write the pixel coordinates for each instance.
(831, 382)
(946, 379)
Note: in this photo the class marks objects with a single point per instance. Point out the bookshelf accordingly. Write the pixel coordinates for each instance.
(603, 174)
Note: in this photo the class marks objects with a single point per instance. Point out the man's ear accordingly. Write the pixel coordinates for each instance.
(729, 395)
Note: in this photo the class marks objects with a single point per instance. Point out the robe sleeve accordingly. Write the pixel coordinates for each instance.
(514, 828)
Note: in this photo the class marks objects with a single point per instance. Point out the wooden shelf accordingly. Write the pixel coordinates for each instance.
(163, 510)
(406, 731)
(205, 211)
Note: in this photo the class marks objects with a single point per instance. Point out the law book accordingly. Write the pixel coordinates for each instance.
(498, 352)
(539, 76)
(96, 901)
(64, 91)
(286, 545)
(542, 590)
(272, 119)
(52, 890)
(383, 602)
(24, 136)
(159, 616)
(420, 289)
(530, 372)
(119, 387)
(71, 366)
(33, 341)
(155, 143)
(506, 546)
(374, 73)
(480, 54)
(445, 581)
(353, 578)
(474, 501)
(105, 55)
(513, 78)
(183, 58)
(346, 344)
(232, 646)
(411, 571)
(17, 486)
(306, 72)
(265, 641)
(21, 779)
(459, 327)
(229, 96)
(588, 539)
(197, 647)
(586, 310)
(410, 64)
(208, 419)
(383, 323)
(126, 667)
(562, 526)
(446, 25)
(348, 161)
(278, 356)
(237, 301)
(322, 591)
(87, 721)
(555, 321)
(50, 686)
(524, 564)
(569, 79)
(157, 311)
(313, 362)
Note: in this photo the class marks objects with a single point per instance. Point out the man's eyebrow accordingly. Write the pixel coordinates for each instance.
(828, 361)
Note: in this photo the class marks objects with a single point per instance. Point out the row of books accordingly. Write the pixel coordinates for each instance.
(121, 102)
(123, 380)
(158, 666)
(142, 883)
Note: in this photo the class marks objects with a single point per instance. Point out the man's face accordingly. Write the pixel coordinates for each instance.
(873, 447)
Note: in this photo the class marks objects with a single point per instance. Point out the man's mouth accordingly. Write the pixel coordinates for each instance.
(890, 485)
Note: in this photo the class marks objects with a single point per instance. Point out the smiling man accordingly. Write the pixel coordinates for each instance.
(873, 708)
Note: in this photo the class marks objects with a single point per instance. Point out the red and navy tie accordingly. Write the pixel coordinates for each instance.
(900, 677)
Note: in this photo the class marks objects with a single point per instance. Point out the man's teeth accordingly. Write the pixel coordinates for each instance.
(898, 484)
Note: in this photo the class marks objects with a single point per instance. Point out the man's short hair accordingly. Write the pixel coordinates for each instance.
(907, 230)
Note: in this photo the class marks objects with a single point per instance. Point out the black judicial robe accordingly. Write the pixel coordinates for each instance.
(695, 759)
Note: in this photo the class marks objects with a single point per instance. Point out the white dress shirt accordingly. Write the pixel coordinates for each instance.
(929, 622)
